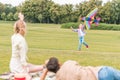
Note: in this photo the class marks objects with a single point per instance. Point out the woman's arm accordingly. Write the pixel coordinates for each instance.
(23, 52)
(42, 77)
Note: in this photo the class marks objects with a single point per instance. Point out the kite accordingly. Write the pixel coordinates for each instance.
(89, 19)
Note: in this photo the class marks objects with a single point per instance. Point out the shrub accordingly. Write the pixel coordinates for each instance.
(3, 16)
(101, 26)
(68, 25)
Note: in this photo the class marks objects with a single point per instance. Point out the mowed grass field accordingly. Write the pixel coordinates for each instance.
(47, 40)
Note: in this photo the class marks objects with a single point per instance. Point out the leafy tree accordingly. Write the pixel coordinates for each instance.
(33, 8)
(15, 16)
(106, 12)
(1, 9)
(55, 13)
(46, 11)
(3, 16)
(10, 16)
(40, 17)
(8, 8)
(115, 10)
(67, 11)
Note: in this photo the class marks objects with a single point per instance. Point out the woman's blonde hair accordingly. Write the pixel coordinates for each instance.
(19, 24)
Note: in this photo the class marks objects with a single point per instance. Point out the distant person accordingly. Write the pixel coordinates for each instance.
(18, 62)
(71, 70)
(81, 34)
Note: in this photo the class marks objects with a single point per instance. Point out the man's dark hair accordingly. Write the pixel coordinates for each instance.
(53, 65)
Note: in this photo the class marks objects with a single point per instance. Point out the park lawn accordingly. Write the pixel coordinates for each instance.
(47, 40)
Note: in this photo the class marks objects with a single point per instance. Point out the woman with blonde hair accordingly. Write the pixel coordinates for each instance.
(18, 62)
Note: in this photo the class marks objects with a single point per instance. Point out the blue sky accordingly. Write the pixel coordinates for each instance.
(17, 2)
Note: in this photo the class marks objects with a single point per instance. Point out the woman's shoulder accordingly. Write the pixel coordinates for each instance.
(17, 38)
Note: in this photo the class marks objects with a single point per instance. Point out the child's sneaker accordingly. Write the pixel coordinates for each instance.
(87, 47)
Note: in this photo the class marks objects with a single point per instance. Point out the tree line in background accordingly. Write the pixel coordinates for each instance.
(46, 11)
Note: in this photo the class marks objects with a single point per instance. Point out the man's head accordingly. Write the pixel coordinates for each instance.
(53, 65)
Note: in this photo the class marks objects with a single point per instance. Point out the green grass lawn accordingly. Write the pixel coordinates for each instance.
(46, 40)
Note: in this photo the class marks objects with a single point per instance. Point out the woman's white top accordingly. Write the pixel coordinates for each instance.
(19, 51)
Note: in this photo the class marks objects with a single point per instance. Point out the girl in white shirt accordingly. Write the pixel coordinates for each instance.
(81, 35)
